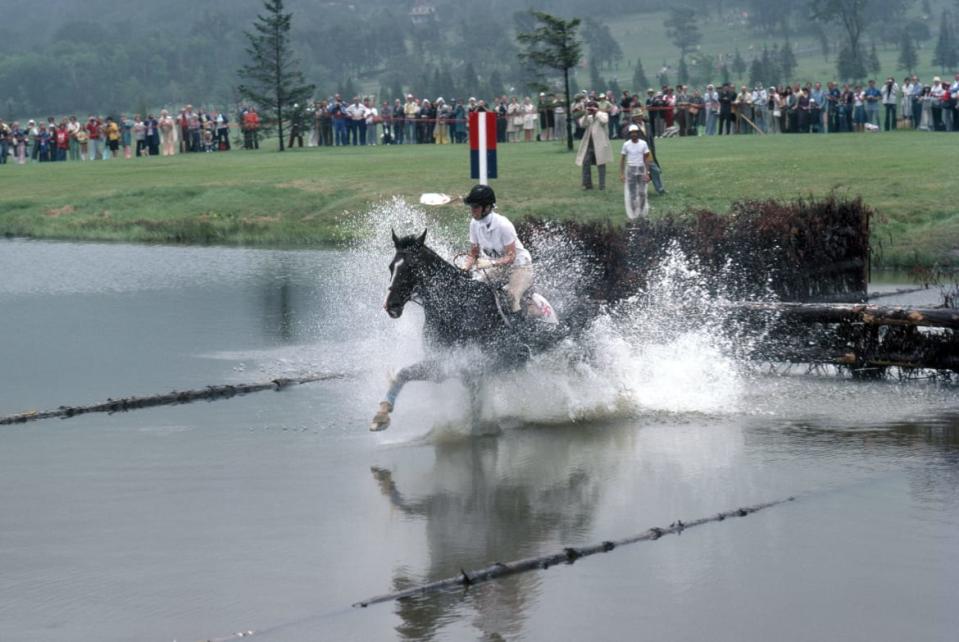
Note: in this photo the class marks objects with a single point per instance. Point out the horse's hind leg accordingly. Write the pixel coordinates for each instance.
(429, 370)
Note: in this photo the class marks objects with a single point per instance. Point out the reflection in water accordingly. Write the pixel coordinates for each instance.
(498, 499)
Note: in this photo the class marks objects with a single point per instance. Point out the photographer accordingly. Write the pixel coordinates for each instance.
(890, 98)
(594, 148)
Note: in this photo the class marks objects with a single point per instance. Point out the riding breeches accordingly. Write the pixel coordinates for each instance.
(636, 196)
(517, 279)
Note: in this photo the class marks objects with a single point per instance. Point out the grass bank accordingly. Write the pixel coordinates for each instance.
(304, 197)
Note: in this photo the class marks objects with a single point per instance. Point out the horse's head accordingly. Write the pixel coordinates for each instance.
(403, 272)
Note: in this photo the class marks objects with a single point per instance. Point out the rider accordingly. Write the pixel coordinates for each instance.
(495, 248)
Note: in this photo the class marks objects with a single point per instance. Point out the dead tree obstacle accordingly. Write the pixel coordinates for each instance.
(813, 253)
(210, 393)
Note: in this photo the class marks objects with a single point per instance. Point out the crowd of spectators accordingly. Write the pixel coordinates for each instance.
(335, 122)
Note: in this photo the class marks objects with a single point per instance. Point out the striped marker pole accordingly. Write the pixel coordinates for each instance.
(482, 146)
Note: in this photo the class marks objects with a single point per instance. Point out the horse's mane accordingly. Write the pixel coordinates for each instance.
(413, 243)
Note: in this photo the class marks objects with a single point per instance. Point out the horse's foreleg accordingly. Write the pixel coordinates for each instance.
(429, 370)
(475, 387)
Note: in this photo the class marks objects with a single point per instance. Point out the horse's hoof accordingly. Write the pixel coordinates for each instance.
(381, 420)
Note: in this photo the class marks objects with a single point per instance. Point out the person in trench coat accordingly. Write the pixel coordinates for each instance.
(594, 148)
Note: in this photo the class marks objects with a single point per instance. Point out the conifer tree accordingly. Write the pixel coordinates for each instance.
(907, 52)
(640, 82)
(273, 79)
(553, 44)
(874, 66)
(787, 61)
(739, 65)
(946, 54)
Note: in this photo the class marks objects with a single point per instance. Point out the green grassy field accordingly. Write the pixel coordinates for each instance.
(642, 35)
(305, 197)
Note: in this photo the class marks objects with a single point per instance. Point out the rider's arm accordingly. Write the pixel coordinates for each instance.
(471, 256)
(509, 255)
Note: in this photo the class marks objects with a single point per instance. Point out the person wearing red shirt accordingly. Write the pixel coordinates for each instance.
(62, 138)
(95, 144)
(251, 124)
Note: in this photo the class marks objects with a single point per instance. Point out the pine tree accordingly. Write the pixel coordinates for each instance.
(682, 72)
(595, 80)
(770, 68)
(553, 43)
(946, 54)
(907, 52)
(347, 90)
(396, 89)
(787, 61)
(873, 62)
(274, 81)
(724, 74)
(470, 81)
(739, 65)
(640, 82)
(849, 64)
(614, 87)
(757, 73)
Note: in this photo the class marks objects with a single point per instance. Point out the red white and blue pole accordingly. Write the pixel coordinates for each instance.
(482, 146)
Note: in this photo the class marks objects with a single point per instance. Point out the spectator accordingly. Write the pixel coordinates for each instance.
(594, 148)
(94, 135)
(167, 127)
(890, 98)
(871, 99)
(529, 119)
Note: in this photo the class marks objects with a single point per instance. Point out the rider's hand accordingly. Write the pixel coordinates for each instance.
(483, 264)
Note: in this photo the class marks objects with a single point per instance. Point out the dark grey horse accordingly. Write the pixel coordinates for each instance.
(460, 312)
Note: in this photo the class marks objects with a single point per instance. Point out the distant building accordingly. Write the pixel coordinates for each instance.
(422, 13)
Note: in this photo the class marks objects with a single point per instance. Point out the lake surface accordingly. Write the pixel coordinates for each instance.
(275, 512)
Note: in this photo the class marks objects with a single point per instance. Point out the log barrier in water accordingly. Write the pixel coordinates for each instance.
(566, 556)
(210, 393)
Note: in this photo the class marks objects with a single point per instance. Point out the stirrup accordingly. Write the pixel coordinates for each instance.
(381, 420)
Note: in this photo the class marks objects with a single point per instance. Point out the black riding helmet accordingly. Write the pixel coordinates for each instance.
(482, 195)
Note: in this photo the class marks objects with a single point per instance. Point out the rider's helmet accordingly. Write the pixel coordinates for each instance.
(482, 195)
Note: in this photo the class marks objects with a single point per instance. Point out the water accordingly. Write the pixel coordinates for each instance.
(275, 512)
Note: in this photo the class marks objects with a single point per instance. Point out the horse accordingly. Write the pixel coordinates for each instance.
(460, 312)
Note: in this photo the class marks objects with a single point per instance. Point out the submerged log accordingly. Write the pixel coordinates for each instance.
(566, 556)
(209, 393)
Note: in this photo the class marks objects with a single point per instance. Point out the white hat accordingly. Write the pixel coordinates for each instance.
(936, 79)
(634, 128)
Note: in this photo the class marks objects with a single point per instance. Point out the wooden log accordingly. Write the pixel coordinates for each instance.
(210, 393)
(566, 556)
(857, 312)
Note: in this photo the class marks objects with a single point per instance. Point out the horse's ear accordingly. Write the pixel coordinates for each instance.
(422, 238)
(396, 240)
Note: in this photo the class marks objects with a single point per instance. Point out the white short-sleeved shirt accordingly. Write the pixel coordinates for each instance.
(635, 152)
(493, 233)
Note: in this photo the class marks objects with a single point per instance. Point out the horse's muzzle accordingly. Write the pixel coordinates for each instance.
(395, 311)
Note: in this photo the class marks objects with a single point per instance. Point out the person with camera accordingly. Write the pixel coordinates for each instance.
(594, 148)
(890, 98)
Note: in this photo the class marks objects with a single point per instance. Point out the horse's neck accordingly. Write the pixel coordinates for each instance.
(442, 280)
(456, 305)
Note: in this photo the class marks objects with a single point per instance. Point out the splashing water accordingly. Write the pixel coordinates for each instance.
(668, 349)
